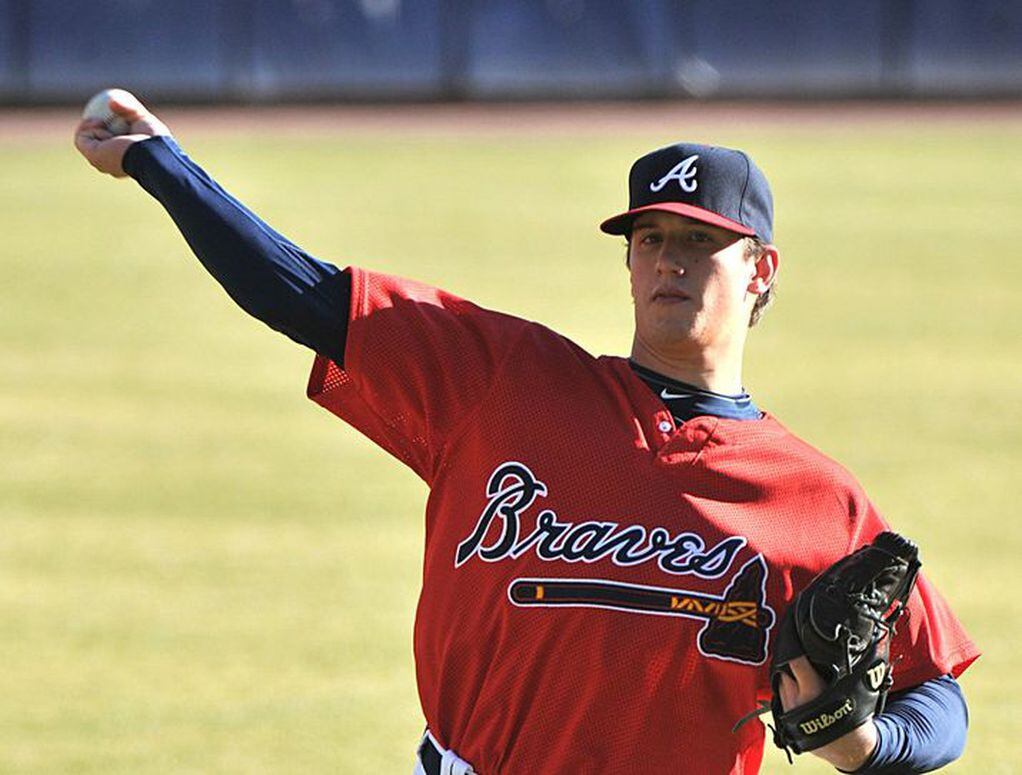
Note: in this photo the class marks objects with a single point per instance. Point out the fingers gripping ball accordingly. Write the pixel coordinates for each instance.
(113, 121)
(98, 108)
(842, 622)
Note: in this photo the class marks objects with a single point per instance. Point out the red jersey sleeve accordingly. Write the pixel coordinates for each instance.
(417, 361)
(929, 641)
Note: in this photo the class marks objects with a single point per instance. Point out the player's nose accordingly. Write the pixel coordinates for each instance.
(671, 259)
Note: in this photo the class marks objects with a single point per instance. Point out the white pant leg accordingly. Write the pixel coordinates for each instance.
(450, 762)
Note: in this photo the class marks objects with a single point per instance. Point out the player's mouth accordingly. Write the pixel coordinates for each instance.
(669, 296)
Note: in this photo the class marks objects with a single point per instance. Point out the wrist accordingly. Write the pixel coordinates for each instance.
(851, 751)
(135, 154)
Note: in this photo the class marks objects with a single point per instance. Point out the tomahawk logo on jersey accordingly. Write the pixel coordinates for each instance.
(589, 563)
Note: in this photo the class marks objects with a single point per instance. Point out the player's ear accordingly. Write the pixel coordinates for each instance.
(764, 270)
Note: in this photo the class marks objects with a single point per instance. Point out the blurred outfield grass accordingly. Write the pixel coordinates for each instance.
(201, 571)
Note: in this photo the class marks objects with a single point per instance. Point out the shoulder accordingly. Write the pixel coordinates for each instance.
(810, 484)
(374, 291)
(419, 320)
(798, 455)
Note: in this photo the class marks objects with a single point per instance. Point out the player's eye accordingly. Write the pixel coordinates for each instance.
(700, 236)
(650, 238)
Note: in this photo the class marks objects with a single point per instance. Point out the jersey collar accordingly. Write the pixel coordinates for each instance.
(672, 442)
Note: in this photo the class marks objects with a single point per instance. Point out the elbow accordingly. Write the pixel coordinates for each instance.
(955, 742)
(949, 742)
(923, 730)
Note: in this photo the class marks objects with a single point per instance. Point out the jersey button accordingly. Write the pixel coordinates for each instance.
(664, 426)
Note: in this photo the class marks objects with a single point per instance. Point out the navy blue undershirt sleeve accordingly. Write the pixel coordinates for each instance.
(266, 274)
(921, 729)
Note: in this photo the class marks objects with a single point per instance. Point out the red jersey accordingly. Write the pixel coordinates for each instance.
(600, 585)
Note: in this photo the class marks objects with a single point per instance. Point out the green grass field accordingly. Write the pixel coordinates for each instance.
(201, 571)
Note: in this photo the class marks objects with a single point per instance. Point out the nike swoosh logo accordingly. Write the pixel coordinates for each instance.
(668, 395)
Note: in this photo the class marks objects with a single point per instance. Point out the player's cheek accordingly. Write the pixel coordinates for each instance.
(635, 285)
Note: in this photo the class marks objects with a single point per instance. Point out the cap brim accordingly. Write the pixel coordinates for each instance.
(622, 223)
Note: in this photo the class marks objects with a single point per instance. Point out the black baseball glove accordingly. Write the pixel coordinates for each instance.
(843, 622)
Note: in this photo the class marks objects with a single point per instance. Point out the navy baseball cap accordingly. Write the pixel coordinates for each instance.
(719, 186)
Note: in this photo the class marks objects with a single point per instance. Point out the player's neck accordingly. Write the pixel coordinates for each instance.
(716, 372)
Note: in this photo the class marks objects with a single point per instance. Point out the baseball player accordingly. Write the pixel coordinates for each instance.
(610, 541)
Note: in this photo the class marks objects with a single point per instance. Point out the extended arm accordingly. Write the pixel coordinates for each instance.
(266, 274)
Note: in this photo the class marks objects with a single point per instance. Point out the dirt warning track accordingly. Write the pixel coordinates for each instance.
(543, 118)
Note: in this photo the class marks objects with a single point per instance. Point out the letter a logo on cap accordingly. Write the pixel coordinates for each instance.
(683, 172)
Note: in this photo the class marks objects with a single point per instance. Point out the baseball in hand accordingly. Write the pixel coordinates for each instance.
(112, 122)
(98, 107)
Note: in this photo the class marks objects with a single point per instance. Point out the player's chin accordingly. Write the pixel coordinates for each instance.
(674, 330)
(677, 315)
